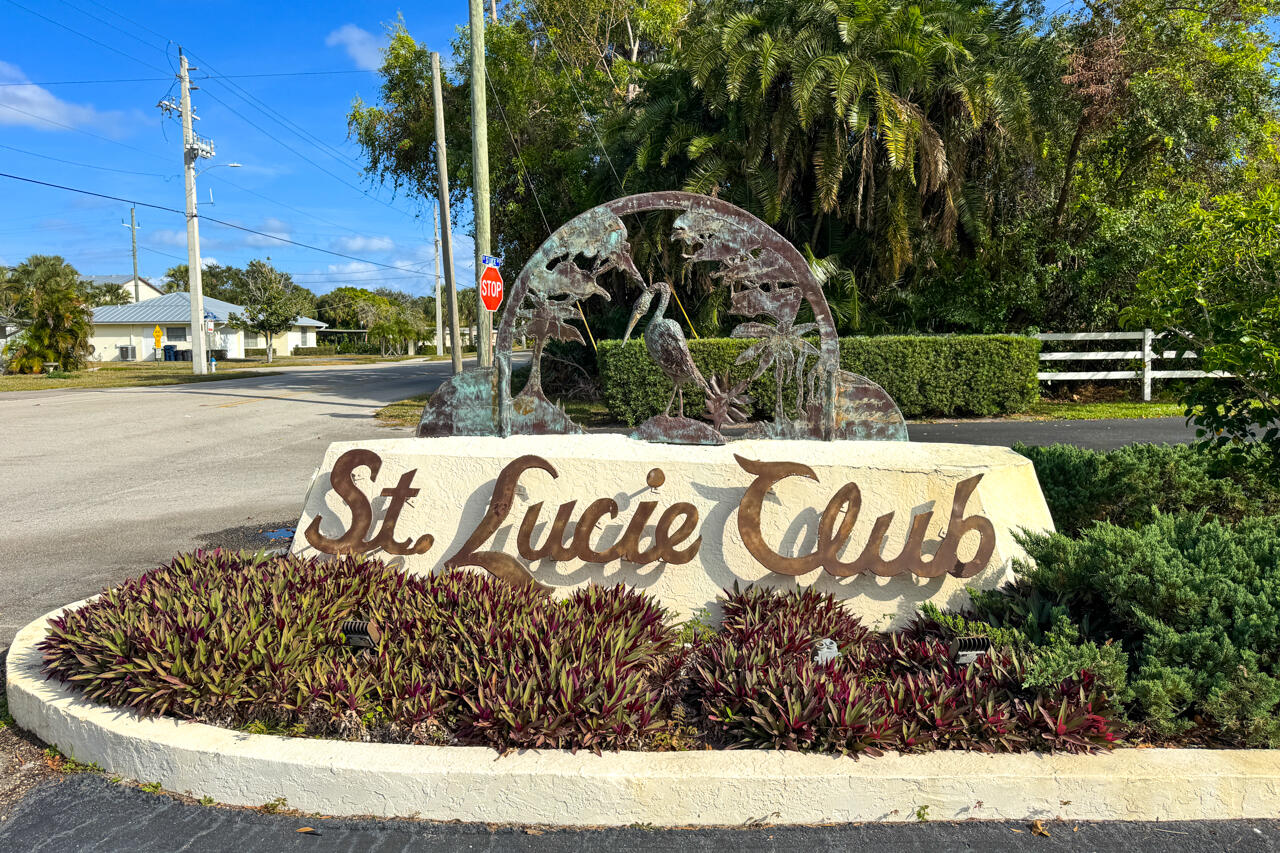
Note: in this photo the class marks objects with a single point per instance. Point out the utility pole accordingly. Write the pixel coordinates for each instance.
(435, 212)
(133, 228)
(193, 148)
(445, 229)
(480, 165)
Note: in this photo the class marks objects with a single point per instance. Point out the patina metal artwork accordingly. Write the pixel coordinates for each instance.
(769, 285)
(673, 539)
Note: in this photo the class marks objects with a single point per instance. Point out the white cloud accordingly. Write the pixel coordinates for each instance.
(364, 244)
(169, 237)
(353, 268)
(364, 48)
(32, 106)
(272, 226)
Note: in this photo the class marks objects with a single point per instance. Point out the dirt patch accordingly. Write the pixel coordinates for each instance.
(23, 762)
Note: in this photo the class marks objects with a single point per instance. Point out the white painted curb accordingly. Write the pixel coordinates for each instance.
(663, 789)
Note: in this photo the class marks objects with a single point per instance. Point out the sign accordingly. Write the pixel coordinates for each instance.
(158, 335)
(885, 525)
(208, 325)
(490, 261)
(491, 288)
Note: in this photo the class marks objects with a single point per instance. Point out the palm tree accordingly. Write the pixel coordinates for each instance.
(109, 293)
(858, 115)
(44, 294)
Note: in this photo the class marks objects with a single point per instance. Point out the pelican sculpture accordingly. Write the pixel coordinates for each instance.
(664, 340)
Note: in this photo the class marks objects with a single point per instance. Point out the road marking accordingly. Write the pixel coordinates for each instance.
(254, 400)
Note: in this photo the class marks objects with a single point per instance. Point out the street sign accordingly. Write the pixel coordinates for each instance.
(490, 261)
(491, 288)
(158, 335)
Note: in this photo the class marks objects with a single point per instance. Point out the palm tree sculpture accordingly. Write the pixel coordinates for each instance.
(781, 344)
(664, 339)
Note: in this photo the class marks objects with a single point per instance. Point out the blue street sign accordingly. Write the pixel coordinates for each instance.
(490, 261)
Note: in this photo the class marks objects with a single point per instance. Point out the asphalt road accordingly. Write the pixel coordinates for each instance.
(1096, 435)
(99, 484)
(88, 813)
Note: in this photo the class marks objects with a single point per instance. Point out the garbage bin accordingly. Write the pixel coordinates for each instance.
(169, 350)
(185, 354)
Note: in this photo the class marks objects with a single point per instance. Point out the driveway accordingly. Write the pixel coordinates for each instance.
(98, 484)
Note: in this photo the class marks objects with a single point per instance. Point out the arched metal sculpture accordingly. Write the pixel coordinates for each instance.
(768, 281)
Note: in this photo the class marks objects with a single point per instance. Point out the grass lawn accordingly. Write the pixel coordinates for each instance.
(145, 373)
(1060, 411)
(409, 412)
(121, 375)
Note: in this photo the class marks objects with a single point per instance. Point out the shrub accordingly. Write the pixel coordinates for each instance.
(1129, 486)
(255, 352)
(320, 350)
(257, 643)
(243, 640)
(347, 347)
(758, 683)
(943, 375)
(1195, 604)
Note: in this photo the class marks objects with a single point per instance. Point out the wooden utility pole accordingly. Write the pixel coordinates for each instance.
(435, 212)
(480, 166)
(445, 229)
(133, 230)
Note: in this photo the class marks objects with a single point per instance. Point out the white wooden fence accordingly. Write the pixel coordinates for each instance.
(1147, 354)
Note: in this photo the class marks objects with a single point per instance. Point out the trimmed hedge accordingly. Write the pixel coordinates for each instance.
(1130, 486)
(322, 350)
(926, 375)
(255, 352)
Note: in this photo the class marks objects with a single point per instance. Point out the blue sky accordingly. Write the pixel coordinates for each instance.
(311, 194)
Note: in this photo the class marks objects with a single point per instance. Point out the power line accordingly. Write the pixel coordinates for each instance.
(105, 22)
(283, 121)
(221, 222)
(102, 44)
(87, 165)
(205, 77)
(298, 153)
(76, 129)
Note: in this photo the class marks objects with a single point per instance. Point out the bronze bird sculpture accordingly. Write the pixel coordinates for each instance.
(665, 342)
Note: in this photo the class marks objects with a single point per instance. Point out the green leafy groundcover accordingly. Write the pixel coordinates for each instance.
(1130, 486)
(247, 641)
(924, 374)
(1180, 617)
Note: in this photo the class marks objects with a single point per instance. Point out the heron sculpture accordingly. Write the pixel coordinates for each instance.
(664, 340)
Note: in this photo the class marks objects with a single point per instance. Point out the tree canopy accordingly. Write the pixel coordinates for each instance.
(948, 165)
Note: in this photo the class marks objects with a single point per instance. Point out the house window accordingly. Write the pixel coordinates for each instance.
(176, 334)
(304, 338)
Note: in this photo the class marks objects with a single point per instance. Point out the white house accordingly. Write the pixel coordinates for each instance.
(143, 290)
(127, 332)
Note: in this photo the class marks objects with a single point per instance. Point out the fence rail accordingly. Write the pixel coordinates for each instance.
(1147, 374)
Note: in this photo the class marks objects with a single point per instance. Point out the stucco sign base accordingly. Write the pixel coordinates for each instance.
(455, 480)
(704, 788)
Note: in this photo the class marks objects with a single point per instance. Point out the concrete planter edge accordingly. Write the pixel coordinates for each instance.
(704, 788)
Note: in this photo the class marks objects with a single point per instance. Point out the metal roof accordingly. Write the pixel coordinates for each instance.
(175, 308)
(117, 279)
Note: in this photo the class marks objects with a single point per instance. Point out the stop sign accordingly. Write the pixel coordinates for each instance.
(491, 288)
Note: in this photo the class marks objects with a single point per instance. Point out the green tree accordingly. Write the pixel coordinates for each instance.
(109, 293)
(272, 302)
(556, 69)
(1217, 292)
(46, 298)
(340, 307)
